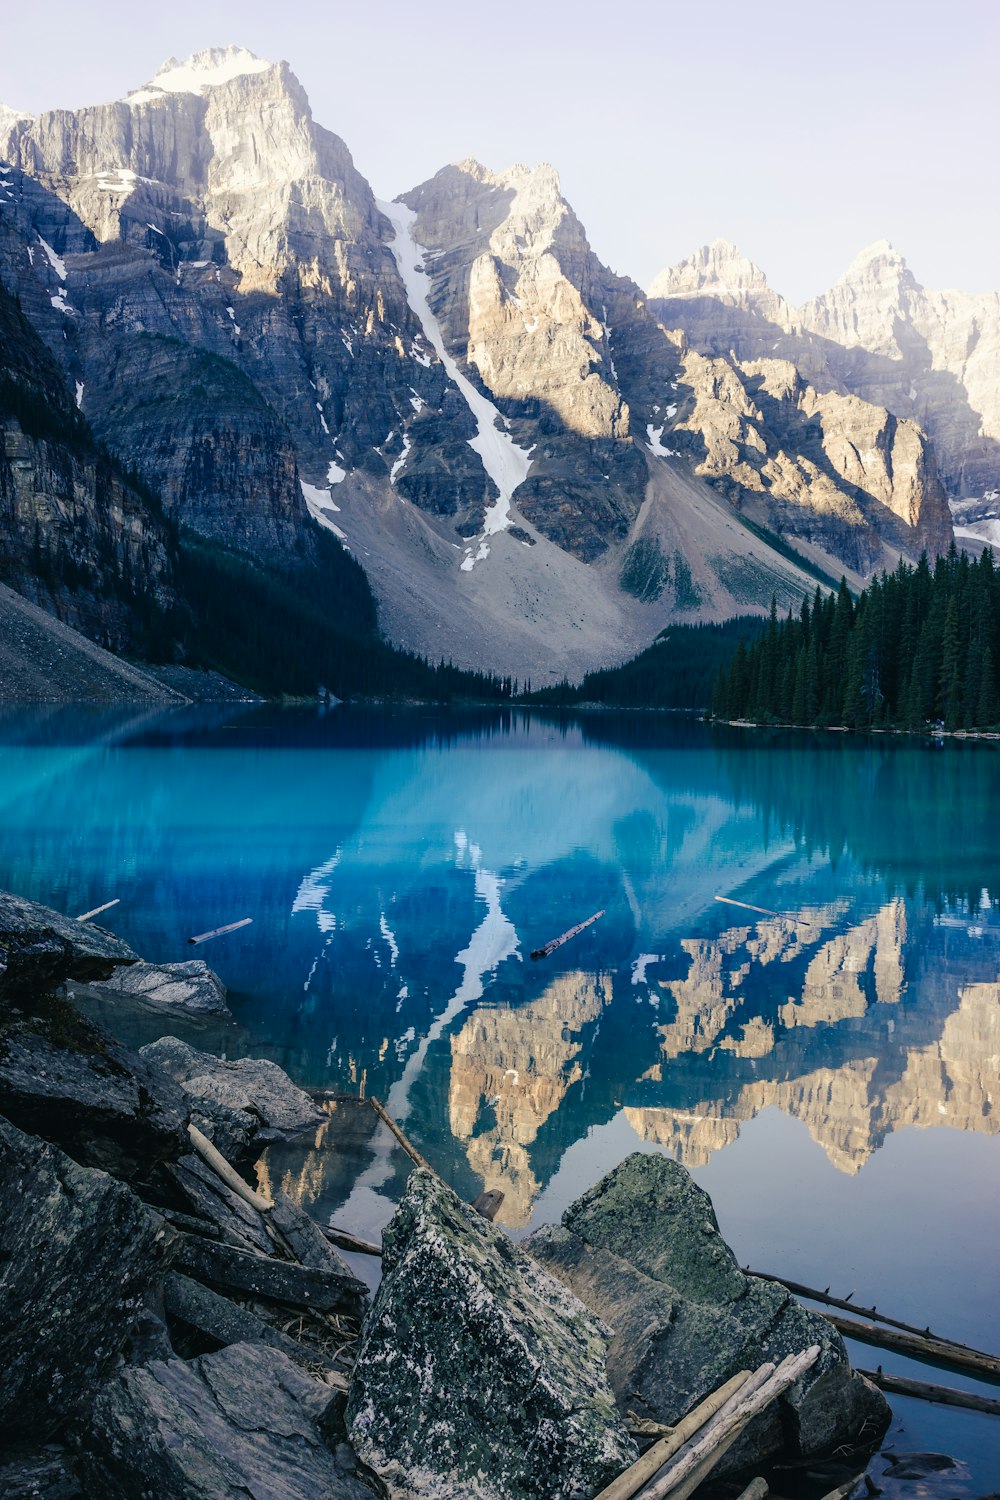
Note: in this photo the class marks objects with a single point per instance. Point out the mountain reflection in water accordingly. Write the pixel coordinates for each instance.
(399, 870)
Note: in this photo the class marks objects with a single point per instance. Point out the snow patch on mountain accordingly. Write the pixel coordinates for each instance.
(203, 70)
(505, 463)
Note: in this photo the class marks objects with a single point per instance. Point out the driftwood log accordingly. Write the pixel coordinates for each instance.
(944, 1395)
(929, 1351)
(631, 1481)
(696, 1460)
(846, 1305)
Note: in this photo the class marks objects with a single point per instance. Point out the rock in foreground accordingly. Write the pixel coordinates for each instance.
(259, 1098)
(243, 1422)
(643, 1250)
(66, 1079)
(40, 948)
(479, 1376)
(77, 1252)
(190, 987)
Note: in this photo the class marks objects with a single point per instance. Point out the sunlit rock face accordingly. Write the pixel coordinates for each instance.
(929, 358)
(510, 1072)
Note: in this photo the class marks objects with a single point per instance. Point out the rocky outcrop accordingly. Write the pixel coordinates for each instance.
(75, 536)
(77, 1252)
(465, 1326)
(929, 358)
(191, 987)
(245, 1420)
(643, 1250)
(261, 1099)
(826, 469)
(40, 949)
(64, 1078)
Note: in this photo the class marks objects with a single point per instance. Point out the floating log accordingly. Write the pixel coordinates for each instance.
(214, 1158)
(630, 1482)
(930, 1351)
(98, 909)
(345, 1241)
(944, 1395)
(488, 1204)
(203, 937)
(849, 1306)
(693, 1464)
(766, 911)
(548, 948)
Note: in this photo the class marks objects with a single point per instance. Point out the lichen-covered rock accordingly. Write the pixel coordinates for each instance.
(643, 1250)
(40, 948)
(272, 1106)
(66, 1079)
(77, 1251)
(245, 1421)
(192, 987)
(479, 1376)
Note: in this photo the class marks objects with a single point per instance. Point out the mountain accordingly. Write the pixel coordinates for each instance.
(535, 468)
(926, 358)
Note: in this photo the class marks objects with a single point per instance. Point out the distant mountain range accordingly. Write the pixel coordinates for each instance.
(537, 464)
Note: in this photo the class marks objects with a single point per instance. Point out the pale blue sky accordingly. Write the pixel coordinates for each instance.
(801, 129)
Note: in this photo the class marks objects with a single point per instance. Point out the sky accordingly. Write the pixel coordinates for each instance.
(803, 130)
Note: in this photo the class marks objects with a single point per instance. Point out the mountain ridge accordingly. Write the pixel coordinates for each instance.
(228, 298)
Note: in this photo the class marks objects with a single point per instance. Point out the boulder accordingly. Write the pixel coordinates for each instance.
(479, 1376)
(77, 1252)
(45, 1473)
(40, 948)
(643, 1250)
(191, 987)
(243, 1421)
(66, 1079)
(265, 1104)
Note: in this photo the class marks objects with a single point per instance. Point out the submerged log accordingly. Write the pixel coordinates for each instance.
(930, 1351)
(402, 1138)
(944, 1395)
(345, 1241)
(547, 948)
(488, 1204)
(846, 1305)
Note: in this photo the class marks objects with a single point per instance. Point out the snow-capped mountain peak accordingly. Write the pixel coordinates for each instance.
(202, 70)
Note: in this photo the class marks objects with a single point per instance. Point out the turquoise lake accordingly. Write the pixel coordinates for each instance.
(828, 1066)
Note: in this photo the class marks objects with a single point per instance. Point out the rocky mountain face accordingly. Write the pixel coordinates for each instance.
(535, 469)
(929, 360)
(75, 535)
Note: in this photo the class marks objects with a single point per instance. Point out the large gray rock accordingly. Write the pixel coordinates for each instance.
(77, 1251)
(191, 987)
(479, 1375)
(40, 948)
(265, 1101)
(643, 1250)
(66, 1079)
(242, 1422)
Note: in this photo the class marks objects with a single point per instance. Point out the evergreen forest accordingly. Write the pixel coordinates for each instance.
(918, 647)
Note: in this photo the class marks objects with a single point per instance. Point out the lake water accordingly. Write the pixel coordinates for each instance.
(827, 1067)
